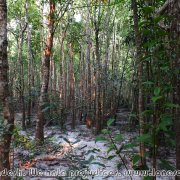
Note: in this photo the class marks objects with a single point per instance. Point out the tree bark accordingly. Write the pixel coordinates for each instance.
(6, 109)
(30, 66)
(140, 74)
(45, 74)
(72, 85)
(98, 69)
(88, 60)
(175, 47)
(21, 73)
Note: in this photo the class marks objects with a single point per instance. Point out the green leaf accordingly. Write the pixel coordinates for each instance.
(150, 44)
(111, 157)
(118, 137)
(147, 112)
(165, 122)
(157, 19)
(148, 9)
(171, 105)
(98, 163)
(144, 138)
(111, 148)
(156, 98)
(65, 139)
(92, 151)
(129, 146)
(165, 68)
(166, 165)
(100, 138)
(148, 83)
(119, 165)
(91, 159)
(110, 121)
(102, 157)
(105, 131)
(157, 91)
(146, 31)
(46, 109)
(148, 178)
(136, 158)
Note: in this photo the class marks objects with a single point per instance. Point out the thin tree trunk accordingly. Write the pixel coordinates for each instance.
(21, 74)
(98, 69)
(45, 74)
(72, 85)
(113, 68)
(67, 82)
(106, 61)
(83, 79)
(88, 60)
(140, 74)
(30, 67)
(6, 109)
(175, 35)
(124, 63)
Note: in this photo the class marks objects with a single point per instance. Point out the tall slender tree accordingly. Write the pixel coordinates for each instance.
(45, 73)
(140, 74)
(23, 27)
(6, 109)
(98, 68)
(30, 63)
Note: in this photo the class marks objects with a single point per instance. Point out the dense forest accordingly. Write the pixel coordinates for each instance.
(87, 86)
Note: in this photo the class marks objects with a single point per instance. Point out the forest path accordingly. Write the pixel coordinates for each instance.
(73, 150)
(70, 150)
(122, 119)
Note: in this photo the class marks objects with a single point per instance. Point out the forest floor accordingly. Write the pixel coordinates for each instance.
(74, 151)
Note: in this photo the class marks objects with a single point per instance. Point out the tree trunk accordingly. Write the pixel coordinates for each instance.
(140, 74)
(72, 84)
(98, 69)
(21, 74)
(6, 109)
(106, 61)
(88, 60)
(30, 67)
(175, 35)
(113, 68)
(45, 74)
